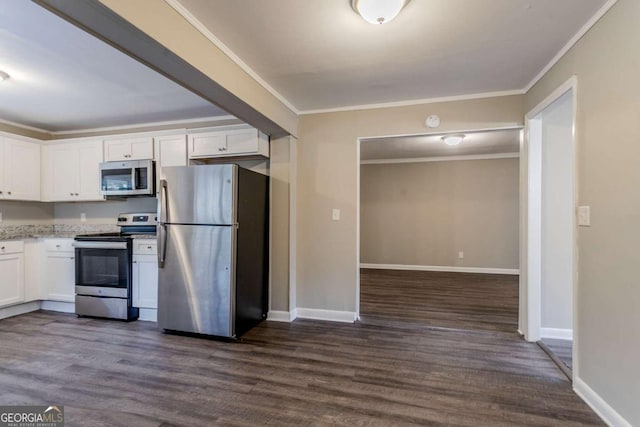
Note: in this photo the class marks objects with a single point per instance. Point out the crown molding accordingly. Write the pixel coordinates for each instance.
(415, 102)
(198, 25)
(576, 37)
(442, 158)
(26, 127)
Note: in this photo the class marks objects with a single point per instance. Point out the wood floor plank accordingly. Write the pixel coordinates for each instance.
(431, 349)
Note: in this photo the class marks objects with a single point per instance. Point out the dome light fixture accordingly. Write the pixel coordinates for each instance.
(453, 139)
(378, 11)
(3, 76)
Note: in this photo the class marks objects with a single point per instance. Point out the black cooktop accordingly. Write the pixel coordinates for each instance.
(111, 237)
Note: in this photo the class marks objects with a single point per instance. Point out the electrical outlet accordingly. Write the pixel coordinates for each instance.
(335, 215)
(461, 255)
(584, 216)
(83, 217)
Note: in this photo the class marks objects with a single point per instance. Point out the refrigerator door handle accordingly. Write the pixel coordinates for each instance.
(164, 201)
(162, 244)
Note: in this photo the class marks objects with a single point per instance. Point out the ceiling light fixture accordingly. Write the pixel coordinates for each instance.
(378, 11)
(453, 139)
(3, 75)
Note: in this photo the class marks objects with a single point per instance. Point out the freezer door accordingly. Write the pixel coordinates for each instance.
(198, 194)
(196, 286)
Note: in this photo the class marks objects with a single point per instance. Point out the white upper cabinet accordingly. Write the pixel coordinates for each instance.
(172, 150)
(19, 169)
(135, 148)
(229, 141)
(71, 171)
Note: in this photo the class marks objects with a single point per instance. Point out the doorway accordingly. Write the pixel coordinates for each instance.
(439, 229)
(549, 227)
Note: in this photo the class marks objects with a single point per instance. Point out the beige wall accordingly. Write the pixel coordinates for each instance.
(26, 213)
(327, 170)
(425, 213)
(606, 63)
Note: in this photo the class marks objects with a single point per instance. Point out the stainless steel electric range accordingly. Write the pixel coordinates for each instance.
(103, 268)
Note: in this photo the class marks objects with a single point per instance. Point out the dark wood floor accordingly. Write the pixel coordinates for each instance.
(563, 349)
(451, 365)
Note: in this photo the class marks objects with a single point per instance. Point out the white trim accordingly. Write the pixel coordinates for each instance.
(358, 170)
(577, 36)
(293, 221)
(609, 415)
(17, 310)
(443, 158)
(281, 316)
(327, 315)
(556, 334)
(444, 268)
(148, 315)
(62, 307)
(27, 127)
(184, 12)
(411, 102)
(146, 125)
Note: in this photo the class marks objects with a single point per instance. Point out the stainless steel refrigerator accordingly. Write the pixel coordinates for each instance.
(212, 249)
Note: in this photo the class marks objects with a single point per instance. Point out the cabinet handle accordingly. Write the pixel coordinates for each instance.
(77, 194)
(134, 262)
(72, 258)
(149, 247)
(57, 246)
(3, 248)
(0, 192)
(71, 194)
(9, 193)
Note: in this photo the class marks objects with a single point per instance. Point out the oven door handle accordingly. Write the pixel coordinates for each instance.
(162, 244)
(99, 245)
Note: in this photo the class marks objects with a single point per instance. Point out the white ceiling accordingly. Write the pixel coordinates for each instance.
(320, 54)
(411, 147)
(64, 79)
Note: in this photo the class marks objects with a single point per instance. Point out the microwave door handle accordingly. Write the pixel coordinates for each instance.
(162, 245)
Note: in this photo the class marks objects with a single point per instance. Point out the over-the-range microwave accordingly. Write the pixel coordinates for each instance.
(127, 179)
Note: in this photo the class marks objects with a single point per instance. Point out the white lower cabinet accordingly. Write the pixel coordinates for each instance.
(145, 274)
(60, 270)
(34, 265)
(11, 272)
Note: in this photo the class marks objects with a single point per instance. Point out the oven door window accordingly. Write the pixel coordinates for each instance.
(102, 267)
(116, 180)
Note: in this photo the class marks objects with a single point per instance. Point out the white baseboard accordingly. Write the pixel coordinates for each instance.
(330, 315)
(443, 268)
(16, 310)
(281, 316)
(599, 405)
(148, 315)
(63, 307)
(557, 334)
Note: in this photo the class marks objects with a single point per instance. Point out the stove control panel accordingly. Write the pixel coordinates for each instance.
(136, 219)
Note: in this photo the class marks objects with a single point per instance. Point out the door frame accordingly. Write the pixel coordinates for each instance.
(530, 321)
(360, 140)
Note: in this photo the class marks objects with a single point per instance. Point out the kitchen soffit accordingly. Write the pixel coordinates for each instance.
(322, 55)
(64, 79)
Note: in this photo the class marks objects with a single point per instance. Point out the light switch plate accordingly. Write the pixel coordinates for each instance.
(461, 255)
(335, 215)
(584, 216)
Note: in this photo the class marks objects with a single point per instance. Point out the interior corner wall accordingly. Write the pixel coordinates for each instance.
(606, 64)
(280, 207)
(327, 178)
(424, 214)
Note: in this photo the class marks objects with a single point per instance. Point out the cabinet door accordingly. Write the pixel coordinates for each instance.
(128, 149)
(207, 145)
(117, 150)
(61, 176)
(12, 279)
(21, 170)
(145, 282)
(242, 142)
(60, 277)
(2, 157)
(90, 157)
(33, 274)
(172, 150)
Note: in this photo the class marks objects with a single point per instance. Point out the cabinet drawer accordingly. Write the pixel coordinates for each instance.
(59, 245)
(11, 247)
(145, 247)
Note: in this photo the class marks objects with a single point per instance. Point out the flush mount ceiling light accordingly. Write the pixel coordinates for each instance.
(3, 75)
(378, 11)
(453, 139)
